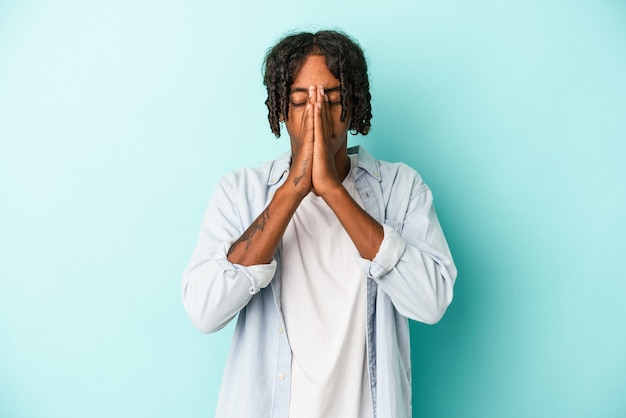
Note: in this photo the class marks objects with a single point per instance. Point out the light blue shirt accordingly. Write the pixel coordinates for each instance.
(412, 276)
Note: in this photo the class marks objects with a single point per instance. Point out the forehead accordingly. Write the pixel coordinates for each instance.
(315, 72)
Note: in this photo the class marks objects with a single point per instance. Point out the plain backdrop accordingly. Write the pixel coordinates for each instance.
(118, 117)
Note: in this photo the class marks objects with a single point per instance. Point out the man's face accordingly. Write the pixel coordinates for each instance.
(314, 72)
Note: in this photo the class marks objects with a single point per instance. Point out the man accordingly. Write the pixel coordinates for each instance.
(322, 253)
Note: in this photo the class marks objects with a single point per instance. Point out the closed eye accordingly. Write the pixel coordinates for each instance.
(299, 98)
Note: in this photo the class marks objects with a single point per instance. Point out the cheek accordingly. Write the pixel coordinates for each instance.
(339, 126)
(290, 130)
(293, 123)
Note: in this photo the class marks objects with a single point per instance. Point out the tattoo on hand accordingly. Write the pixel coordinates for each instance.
(302, 173)
(257, 226)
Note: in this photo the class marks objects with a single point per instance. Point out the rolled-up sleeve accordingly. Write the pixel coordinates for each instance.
(414, 266)
(389, 253)
(259, 275)
(214, 290)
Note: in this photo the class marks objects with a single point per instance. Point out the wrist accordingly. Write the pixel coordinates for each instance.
(332, 192)
(290, 194)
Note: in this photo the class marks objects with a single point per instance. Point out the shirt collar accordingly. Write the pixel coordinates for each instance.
(365, 161)
(279, 168)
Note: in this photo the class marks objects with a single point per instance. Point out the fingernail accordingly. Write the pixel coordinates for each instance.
(319, 105)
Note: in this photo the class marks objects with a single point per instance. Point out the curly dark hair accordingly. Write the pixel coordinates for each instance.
(344, 59)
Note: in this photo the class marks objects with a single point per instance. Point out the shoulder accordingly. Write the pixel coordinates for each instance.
(396, 176)
(402, 176)
(262, 176)
(247, 190)
(391, 169)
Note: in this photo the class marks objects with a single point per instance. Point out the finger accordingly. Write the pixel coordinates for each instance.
(306, 127)
(302, 125)
(326, 118)
(325, 113)
(318, 115)
(320, 96)
(312, 107)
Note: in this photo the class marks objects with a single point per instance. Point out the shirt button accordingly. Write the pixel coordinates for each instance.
(280, 330)
(281, 376)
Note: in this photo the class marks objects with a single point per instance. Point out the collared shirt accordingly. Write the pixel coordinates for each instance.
(411, 276)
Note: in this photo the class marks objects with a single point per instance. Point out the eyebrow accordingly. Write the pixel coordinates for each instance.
(303, 90)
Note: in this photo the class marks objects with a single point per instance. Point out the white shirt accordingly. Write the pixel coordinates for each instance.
(324, 306)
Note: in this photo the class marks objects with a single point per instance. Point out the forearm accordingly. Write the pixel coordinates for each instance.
(258, 243)
(366, 233)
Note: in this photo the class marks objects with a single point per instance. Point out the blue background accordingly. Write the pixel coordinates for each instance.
(118, 117)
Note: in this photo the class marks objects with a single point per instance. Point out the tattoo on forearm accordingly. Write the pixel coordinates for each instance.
(257, 225)
(302, 173)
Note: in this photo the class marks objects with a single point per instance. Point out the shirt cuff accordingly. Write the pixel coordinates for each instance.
(391, 249)
(259, 275)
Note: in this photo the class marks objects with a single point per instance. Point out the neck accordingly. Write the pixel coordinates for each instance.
(342, 164)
